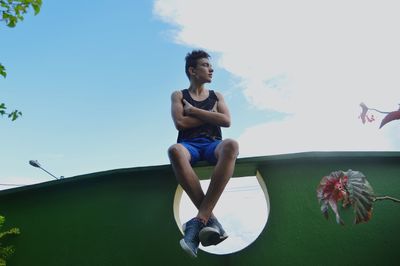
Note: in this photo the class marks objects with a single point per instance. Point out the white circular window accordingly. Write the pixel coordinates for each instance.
(242, 210)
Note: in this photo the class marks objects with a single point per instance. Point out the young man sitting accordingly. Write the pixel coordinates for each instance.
(198, 114)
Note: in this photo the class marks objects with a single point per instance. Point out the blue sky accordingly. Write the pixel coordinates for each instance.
(94, 80)
(94, 85)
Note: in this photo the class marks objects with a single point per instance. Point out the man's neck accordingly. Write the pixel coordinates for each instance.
(196, 89)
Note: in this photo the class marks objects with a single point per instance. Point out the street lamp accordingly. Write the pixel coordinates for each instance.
(36, 164)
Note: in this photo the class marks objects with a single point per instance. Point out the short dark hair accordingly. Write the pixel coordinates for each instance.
(191, 59)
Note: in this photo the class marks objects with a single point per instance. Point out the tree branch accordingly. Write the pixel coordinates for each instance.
(386, 198)
(382, 112)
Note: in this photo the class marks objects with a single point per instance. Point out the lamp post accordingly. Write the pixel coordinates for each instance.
(36, 164)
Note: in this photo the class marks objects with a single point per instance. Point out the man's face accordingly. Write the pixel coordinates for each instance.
(203, 71)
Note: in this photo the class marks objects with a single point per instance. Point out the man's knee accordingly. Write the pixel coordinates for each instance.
(230, 147)
(175, 152)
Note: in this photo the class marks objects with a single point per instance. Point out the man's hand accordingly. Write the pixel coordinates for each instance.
(187, 108)
(187, 116)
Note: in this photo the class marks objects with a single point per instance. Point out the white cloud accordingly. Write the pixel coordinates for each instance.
(316, 60)
(318, 133)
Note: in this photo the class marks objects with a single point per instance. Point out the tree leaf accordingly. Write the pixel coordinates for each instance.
(3, 71)
(13, 10)
(14, 115)
(361, 195)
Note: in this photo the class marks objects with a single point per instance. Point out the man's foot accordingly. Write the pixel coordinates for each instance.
(212, 233)
(190, 242)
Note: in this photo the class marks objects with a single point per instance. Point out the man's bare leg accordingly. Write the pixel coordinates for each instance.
(226, 153)
(184, 173)
(187, 178)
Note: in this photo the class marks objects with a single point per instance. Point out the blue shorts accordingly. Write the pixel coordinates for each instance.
(201, 149)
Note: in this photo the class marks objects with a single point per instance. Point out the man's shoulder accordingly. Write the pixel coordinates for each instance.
(213, 90)
(218, 94)
(177, 94)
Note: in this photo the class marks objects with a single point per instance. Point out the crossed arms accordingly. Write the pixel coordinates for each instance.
(187, 116)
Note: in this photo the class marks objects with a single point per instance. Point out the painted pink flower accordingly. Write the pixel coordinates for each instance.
(364, 114)
(352, 189)
(331, 189)
(395, 115)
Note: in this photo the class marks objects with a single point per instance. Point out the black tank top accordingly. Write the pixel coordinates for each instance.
(204, 131)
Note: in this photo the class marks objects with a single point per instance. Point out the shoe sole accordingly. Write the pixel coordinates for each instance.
(210, 236)
(187, 249)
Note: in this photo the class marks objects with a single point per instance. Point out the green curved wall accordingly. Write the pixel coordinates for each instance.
(125, 216)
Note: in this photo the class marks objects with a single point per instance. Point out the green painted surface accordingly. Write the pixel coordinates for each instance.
(125, 217)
